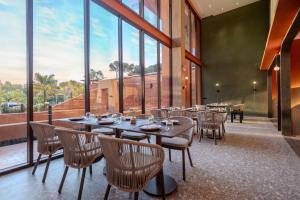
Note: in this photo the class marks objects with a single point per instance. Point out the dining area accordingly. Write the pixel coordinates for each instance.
(132, 146)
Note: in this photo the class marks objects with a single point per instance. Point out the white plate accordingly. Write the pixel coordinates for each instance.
(106, 122)
(150, 127)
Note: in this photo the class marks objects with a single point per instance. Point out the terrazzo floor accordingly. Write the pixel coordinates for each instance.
(253, 162)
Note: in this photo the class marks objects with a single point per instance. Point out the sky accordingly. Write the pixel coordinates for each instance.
(58, 40)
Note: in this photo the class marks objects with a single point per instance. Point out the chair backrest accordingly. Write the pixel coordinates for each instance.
(186, 121)
(130, 165)
(80, 148)
(176, 113)
(45, 136)
(238, 107)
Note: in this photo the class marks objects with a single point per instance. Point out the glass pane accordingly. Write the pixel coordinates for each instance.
(58, 29)
(104, 63)
(198, 29)
(133, 4)
(165, 17)
(186, 70)
(187, 27)
(194, 84)
(165, 75)
(193, 34)
(13, 97)
(150, 11)
(151, 89)
(132, 82)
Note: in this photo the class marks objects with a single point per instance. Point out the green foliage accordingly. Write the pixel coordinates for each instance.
(96, 75)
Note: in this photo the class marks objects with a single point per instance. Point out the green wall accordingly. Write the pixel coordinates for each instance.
(232, 46)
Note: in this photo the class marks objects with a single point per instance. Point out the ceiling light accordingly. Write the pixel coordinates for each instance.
(237, 3)
(209, 5)
(222, 9)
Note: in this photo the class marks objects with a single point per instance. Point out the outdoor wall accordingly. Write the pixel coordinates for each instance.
(232, 49)
(295, 86)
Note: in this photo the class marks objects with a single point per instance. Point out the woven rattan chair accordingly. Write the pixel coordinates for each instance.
(134, 135)
(47, 143)
(130, 165)
(182, 142)
(104, 131)
(81, 149)
(176, 113)
(209, 120)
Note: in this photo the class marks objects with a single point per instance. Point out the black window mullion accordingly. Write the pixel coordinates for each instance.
(87, 53)
(29, 55)
(158, 75)
(142, 64)
(120, 43)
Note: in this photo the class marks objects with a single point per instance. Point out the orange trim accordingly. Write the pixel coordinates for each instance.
(137, 20)
(286, 11)
(192, 58)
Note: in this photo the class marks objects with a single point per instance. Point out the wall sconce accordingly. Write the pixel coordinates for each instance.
(276, 68)
(218, 87)
(186, 78)
(254, 86)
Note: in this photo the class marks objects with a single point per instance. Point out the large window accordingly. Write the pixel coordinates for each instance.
(187, 27)
(133, 4)
(132, 81)
(165, 17)
(165, 70)
(13, 97)
(104, 61)
(150, 11)
(151, 70)
(58, 30)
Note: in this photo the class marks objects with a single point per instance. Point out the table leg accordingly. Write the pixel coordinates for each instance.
(155, 186)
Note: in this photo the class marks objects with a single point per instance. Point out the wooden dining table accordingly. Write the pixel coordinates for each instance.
(155, 185)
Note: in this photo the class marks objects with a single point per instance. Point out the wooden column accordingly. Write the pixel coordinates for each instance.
(178, 53)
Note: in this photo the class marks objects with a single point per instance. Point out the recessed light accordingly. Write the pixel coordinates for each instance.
(237, 3)
(222, 9)
(209, 5)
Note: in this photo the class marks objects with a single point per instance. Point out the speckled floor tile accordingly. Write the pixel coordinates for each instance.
(253, 162)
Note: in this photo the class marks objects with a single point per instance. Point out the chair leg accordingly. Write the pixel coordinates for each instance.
(201, 134)
(148, 138)
(214, 135)
(63, 179)
(190, 158)
(91, 169)
(219, 133)
(136, 195)
(162, 186)
(46, 169)
(107, 191)
(183, 164)
(170, 156)
(36, 164)
(81, 184)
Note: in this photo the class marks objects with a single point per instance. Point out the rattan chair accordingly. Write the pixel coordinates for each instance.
(104, 131)
(47, 143)
(182, 142)
(130, 165)
(81, 150)
(129, 135)
(209, 120)
(176, 113)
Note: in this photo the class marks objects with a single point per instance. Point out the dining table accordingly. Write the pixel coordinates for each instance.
(154, 186)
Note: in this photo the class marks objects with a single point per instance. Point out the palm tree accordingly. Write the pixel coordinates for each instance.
(45, 83)
(96, 75)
